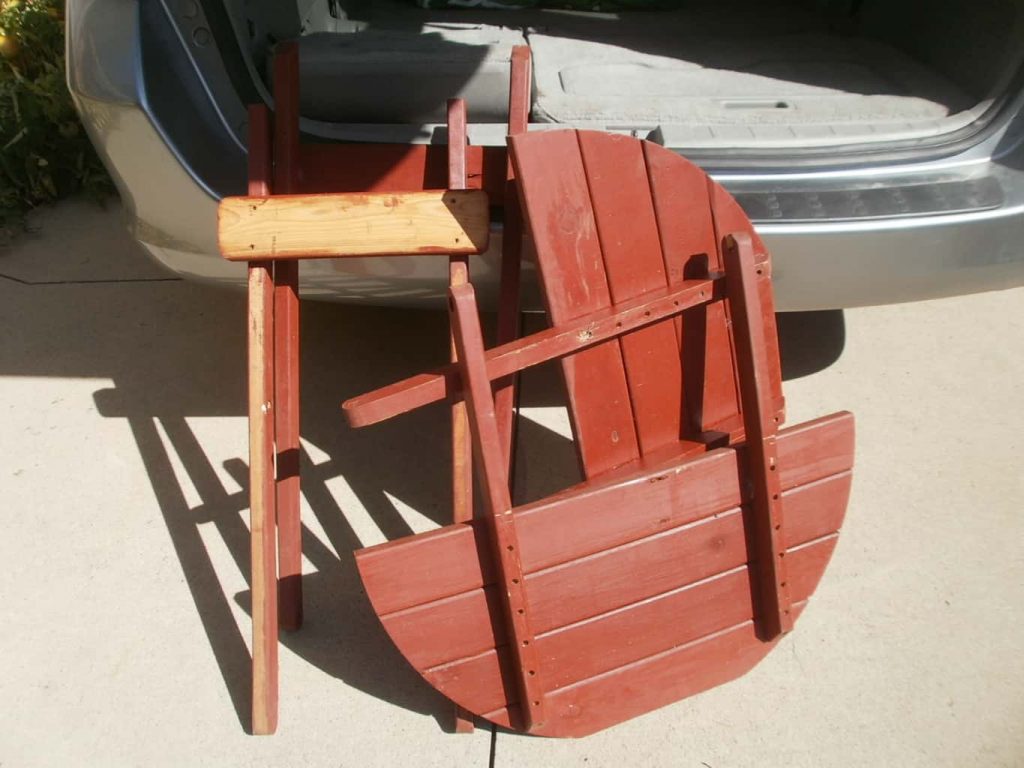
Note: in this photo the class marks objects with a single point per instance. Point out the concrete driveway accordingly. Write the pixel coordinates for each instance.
(124, 597)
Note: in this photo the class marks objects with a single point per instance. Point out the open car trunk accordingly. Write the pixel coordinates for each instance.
(719, 74)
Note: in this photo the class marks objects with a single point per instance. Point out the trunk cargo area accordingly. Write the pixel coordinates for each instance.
(714, 74)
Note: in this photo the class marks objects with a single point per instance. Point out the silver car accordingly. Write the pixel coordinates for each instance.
(878, 145)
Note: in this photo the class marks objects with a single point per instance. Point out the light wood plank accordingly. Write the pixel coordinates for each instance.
(332, 226)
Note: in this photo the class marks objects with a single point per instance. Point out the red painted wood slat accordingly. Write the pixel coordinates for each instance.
(760, 427)
(581, 333)
(405, 572)
(466, 633)
(519, 103)
(286, 343)
(556, 202)
(631, 248)
(600, 658)
(505, 546)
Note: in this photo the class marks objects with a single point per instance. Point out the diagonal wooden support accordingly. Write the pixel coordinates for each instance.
(760, 426)
(574, 336)
(490, 453)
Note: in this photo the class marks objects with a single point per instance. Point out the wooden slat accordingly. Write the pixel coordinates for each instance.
(262, 494)
(631, 248)
(661, 634)
(671, 618)
(363, 167)
(519, 100)
(489, 453)
(553, 191)
(729, 218)
(286, 346)
(458, 274)
(405, 572)
(339, 225)
(581, 333)
(657, 681)
(760, 426)
(468, 624)
(687, 234)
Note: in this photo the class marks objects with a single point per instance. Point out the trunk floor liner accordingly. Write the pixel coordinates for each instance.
(731, 70)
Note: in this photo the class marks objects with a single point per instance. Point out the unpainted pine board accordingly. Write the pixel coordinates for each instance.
(468, 624)
(405, 572)
(556, 205)
(353, 224)
(630, 245)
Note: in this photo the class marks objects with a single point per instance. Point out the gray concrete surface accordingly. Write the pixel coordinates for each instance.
(124, 545)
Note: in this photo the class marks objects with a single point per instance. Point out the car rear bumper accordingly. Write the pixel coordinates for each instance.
(840, 238)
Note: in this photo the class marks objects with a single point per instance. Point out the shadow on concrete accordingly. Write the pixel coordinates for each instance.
(175, 351)
(810, 342)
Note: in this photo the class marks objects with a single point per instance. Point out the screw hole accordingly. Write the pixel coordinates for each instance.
(526, 642)
(533, 672)
(521, 611)
(510, 548)
(515, 581)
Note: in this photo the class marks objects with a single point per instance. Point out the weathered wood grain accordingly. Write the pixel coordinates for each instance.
(262, 493)
(353, 224)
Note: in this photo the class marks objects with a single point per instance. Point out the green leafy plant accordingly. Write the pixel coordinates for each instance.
(44, 151)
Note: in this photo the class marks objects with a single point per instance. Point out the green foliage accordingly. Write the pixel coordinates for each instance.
(44, 151)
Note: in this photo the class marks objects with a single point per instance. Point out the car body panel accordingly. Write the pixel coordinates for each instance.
(158, 105)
